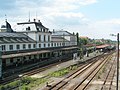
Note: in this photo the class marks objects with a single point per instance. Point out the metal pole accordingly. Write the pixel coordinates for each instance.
(0, 62)
(117, 61)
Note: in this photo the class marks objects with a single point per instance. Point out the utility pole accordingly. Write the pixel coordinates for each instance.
(0, 62)
(117, 79)
(117, 61)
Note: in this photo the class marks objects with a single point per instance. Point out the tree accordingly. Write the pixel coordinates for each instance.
(84, 41)
(77, 34)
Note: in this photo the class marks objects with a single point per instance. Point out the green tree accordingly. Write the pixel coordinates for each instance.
(84, 41)
(77, 34)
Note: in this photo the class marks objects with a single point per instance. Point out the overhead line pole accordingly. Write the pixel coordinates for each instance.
(117, 61)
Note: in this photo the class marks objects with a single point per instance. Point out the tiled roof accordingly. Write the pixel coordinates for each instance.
(62, 33)
(6, 34)
(83, 37)
(102, 46)
(58, 38)
(6, 37)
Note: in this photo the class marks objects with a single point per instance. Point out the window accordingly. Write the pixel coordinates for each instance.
(39, 37)
(40, 55)
(44, 45)
(29, 57)
(63, 44)
(11, 60)
(11, 47)
(24, 46)
(17, 47)
(18, 60)
(44, 38)
(35, 56)
(60, 44)
(48, 38)
(40, 45)
(48, 45)
(29, 45)
(44, 54)
(52, 44)
(3, 47)
(34, 45)
(43, 30)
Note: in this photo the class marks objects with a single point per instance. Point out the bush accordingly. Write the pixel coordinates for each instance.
(2, 87)
(25, 88)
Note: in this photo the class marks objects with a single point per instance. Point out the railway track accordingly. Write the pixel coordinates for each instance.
(29, 73)
(90, 76)
(61, 85)
(71, 76)
(107, 85)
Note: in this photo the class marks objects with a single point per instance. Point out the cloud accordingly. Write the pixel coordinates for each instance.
(56, 12)
(111, 21)
(48, 6)
(22, 7)
(59, 14)
(87, 2)
(103, 28)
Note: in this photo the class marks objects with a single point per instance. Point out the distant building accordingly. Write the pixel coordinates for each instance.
(70, 38)
(84, 37)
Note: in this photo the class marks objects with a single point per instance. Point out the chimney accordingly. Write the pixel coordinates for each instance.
(39, 21)
(53, 30)
(34, 20)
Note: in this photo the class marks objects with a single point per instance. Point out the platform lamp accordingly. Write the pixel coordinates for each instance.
(0, 62)
(117, 58)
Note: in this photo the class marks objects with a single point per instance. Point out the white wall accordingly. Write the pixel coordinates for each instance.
(21, 46)
(23, 27)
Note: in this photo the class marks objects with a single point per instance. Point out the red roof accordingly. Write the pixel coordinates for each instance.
(89, 45)
(102, 46)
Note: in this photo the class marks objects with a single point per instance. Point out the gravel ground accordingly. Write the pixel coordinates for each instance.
(97, 83)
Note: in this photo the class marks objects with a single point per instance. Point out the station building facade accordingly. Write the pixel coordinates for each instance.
(34, 43)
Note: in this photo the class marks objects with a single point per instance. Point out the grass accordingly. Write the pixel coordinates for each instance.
(63, 71)
(59, 73)
(28, 83)
(101, 72)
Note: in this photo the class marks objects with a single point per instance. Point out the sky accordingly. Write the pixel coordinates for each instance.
(93, 18)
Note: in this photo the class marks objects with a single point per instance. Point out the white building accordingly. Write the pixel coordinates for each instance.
(37, 32)
(34, 43)
(69, 39)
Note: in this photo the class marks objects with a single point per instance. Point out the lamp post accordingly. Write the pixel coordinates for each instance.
(20, 84)
(117, 60)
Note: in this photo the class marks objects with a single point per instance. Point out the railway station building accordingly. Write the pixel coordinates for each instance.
(34, 43)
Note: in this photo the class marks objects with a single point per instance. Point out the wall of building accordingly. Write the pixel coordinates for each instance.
(7, 46)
